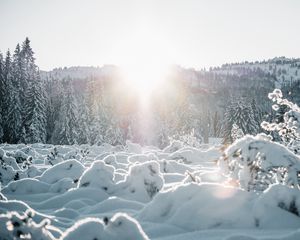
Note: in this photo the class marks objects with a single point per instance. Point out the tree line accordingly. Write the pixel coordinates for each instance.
(95, 110)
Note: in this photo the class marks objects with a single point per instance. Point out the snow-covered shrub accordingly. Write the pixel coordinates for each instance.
(16, 226)
(20, 156)
(53, 157)
(119, 227)
(98, 175)
(289, 129)
(236, 132)
(7, 159)
(142, 182)
(9, 169)
(256, 162)
(68, 169)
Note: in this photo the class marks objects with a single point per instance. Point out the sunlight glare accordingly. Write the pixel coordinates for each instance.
(144, 59)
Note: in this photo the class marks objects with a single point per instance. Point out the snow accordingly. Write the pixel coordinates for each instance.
(119, 227)
(69, 168)
(137, 192)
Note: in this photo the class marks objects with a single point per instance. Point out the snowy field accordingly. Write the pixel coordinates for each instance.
(133, 192)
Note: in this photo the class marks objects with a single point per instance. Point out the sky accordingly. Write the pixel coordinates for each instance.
(191, 33)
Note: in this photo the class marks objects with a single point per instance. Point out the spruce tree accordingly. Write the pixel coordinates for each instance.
(6, 87)
(29, 67)
(239, 112)
(35, 111)
(14, 108)
(66, 127)
(33, 97)
(1, 96)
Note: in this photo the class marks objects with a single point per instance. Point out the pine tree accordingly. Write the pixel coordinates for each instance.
(33, 97)
(29, 67)
(240, 113)
(6, 87)
(14, 109)
(1, 96)
(66, 127)
(35, 111)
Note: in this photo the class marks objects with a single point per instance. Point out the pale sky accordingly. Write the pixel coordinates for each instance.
(191, 33)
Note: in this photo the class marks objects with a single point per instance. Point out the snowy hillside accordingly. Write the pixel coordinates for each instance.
(285, 70)
(133, 192)
(80, 72)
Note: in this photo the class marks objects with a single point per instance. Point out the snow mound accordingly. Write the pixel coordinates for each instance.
(62, 185)
(256, 161)
(203, 206)
(190, 155)
(278, 202)
(200, 206)
(272, 153)
(119, 227)
(68, 169)
(142, 182)
(26, 186)
(133, 147)
(98, 175)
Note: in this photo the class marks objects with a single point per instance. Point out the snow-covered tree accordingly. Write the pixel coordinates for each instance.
(35, 110)
(239, 112)
(29, 67)
(14, 110)
(66, 127)
(288, 129)
(236, 132)
(2, 92)
(6, 87)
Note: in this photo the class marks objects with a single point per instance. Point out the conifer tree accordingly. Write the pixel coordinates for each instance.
(66, 127)
(1, 96)
(7, 81)
(35, 111)
(14, 108)
(29, 67)
(239, 112)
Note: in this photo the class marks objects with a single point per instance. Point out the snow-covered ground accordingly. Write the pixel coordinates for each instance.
(134, 192)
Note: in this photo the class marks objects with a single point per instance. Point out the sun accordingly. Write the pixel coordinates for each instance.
(144, 58)
(144, 78)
